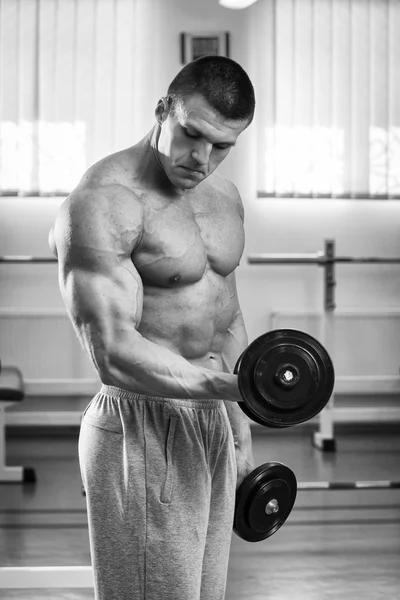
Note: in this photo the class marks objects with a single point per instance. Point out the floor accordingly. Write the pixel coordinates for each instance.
(335, 544)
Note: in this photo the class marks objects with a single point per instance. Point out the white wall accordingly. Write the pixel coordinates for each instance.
(360, 228)
(47, 349)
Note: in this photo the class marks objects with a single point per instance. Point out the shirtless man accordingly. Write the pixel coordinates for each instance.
(147, 246)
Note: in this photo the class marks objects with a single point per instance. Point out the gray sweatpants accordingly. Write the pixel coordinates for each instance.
(160, 481)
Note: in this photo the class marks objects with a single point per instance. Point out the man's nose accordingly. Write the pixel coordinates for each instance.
(201, 153)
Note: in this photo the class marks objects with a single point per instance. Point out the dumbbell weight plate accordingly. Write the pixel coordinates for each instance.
(285, 377)
(264, 501)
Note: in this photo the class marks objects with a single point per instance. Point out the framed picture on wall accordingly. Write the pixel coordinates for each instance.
(195, 45)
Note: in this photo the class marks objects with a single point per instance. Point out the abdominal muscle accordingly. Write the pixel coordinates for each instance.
(191, 320)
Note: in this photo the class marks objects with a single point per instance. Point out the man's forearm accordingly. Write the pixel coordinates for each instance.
(240, 426)
(235, 343)
(145, 367)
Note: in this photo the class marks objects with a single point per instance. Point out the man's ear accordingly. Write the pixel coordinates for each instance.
(162, 109)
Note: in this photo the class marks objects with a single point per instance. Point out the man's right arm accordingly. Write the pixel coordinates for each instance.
(103, 294)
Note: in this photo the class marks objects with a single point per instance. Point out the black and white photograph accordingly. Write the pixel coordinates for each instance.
(200, 299)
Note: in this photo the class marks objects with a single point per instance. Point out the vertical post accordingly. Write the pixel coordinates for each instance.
(2, 438)
(329, 276)
(324, 439)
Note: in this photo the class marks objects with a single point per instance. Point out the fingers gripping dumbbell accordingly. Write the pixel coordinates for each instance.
(285, 377)
(264, 501)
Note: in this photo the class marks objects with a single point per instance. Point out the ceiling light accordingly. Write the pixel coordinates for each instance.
(236, 4)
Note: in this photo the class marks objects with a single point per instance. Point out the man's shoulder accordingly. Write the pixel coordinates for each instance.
(107, 183)
(103, 198)
(108, 172)
(102, 217)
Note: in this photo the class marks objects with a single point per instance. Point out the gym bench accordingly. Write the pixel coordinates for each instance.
(11, 391)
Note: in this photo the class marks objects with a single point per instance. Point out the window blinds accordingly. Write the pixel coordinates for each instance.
(79, 79)
(327, 78)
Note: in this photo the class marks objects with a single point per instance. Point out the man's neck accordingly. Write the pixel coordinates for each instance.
(162, 178)
(154, 135)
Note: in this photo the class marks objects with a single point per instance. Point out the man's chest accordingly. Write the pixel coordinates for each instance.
(181, 239)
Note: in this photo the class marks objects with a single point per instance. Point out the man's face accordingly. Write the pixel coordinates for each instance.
(194, 141)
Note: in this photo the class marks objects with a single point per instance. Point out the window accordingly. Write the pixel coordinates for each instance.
(328, 98)
(78, 80)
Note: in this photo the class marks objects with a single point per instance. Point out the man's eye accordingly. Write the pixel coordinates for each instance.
(221, 147)
(191, 135)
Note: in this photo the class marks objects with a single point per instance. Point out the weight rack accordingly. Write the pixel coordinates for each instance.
(324, 438)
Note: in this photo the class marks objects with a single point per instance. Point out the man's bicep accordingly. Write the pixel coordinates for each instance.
(104, 307)
(100, 285)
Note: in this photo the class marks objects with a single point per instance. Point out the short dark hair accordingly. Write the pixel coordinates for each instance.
(221, 81)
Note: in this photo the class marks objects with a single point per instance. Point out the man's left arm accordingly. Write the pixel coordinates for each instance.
(236, 342)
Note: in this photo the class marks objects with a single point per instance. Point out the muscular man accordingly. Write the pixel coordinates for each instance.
(147, 246)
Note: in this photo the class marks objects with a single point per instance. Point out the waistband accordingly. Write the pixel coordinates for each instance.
(120, 394)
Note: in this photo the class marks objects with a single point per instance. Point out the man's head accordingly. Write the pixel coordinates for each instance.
(208, 104)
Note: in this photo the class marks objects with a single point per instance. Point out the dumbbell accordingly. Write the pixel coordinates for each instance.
(285, 377)
(264, 501)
